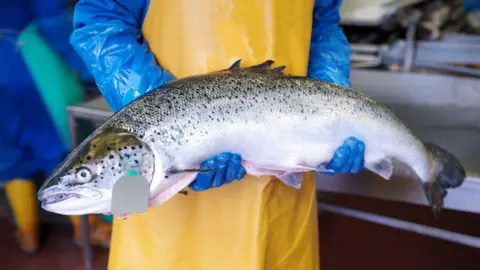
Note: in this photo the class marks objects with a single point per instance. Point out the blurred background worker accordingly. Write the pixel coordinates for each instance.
(29, 141)
(132, 47)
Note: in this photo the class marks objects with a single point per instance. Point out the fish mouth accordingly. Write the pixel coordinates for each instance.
(56, 198)
(56, 194)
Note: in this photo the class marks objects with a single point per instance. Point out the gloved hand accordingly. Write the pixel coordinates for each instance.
(229, 168)
(348, 158)
(329, 58)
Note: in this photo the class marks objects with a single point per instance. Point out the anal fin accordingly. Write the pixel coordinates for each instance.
(294, 180)
(383, 167)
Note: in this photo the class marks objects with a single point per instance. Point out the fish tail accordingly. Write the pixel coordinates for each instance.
(447, 172)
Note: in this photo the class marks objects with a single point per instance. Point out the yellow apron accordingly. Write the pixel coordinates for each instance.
(249, 224)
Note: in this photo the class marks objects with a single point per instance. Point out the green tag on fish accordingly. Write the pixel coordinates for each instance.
(132, 173)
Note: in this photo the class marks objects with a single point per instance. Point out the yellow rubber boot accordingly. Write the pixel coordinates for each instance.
(100, 231)
(22, 197)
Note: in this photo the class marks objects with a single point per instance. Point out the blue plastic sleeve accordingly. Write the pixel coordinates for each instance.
(107, 36)
(329, 49)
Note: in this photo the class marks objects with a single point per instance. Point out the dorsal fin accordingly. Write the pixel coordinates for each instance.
(277, 69)
(235, 65)
(263, 68)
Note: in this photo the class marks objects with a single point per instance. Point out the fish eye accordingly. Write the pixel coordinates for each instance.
(84, 175)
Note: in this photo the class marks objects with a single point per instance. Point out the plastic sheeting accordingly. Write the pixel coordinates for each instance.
(250, 224)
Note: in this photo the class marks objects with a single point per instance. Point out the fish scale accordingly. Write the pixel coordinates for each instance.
(205, 104)
(280, 125)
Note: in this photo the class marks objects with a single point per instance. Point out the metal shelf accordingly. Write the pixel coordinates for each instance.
(454, 237)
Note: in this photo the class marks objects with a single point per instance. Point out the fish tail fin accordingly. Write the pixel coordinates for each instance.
(447, 172)
(263, 68)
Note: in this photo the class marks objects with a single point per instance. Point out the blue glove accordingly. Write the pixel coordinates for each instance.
(348, 158)
(228, 166)
(329, 48)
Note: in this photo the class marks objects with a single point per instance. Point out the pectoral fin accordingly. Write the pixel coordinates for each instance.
(174, 171)
(122, 216)
(178, 184)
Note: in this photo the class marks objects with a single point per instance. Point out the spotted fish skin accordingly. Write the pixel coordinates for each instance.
(281, 125)
(197, 117)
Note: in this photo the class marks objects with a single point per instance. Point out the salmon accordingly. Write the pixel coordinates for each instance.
(281, 125)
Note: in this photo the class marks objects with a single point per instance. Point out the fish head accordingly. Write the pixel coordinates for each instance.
(83, 183)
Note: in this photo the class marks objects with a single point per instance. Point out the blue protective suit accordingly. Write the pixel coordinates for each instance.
(471, 5)
(29, 141)
(124, 68)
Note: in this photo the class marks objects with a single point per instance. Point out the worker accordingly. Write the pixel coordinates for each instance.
(132, 47)
(29, 141)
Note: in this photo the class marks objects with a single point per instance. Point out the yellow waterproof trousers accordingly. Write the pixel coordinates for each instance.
(255, 223)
